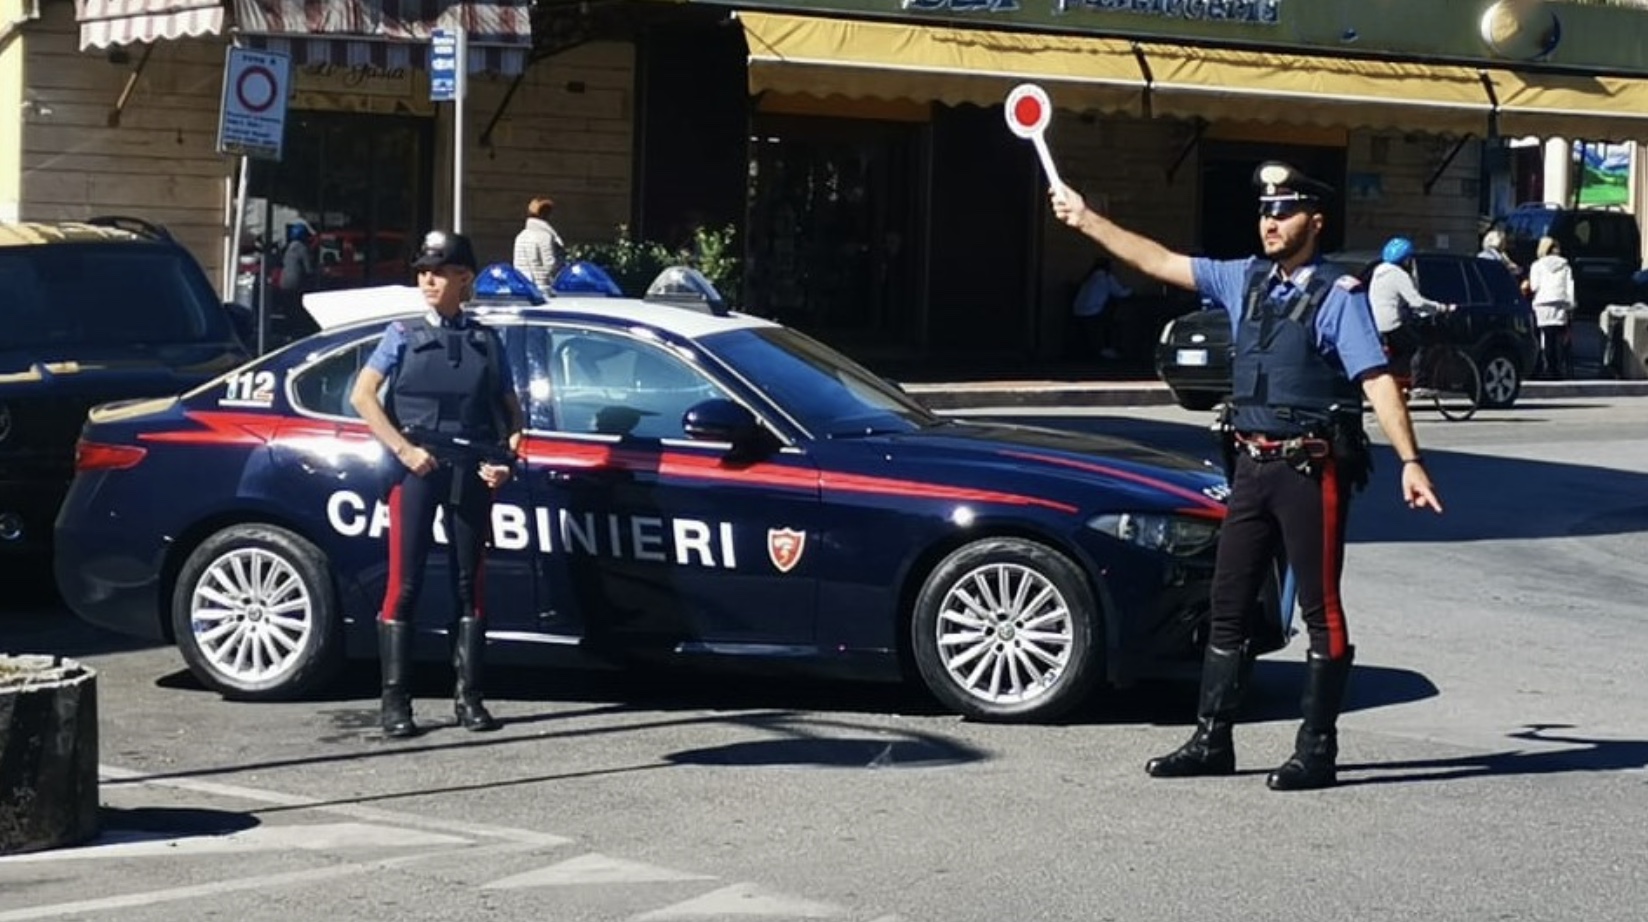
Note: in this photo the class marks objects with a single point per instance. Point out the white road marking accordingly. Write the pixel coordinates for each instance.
(260, 882)
(311, 837)
(744, 900)
(354, 811)
(593, 869)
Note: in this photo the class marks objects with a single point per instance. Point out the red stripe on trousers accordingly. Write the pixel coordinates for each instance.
(1333, 611)
(478, 604)
(392, 589)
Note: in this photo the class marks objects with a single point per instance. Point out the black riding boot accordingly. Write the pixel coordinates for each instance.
(467, 650)
(1210, 750)
(1316, 751)
(395, 655)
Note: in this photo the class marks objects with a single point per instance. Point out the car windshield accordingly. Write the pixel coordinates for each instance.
(826, 392)
(104, 294)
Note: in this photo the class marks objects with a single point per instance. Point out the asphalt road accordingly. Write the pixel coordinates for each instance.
(1495, 758)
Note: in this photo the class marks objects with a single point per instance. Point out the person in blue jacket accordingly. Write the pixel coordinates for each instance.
(1307, 353)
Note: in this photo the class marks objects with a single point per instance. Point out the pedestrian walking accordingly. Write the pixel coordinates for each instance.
(449, 412)
(1306, 354)
(1551, 289)
(539, 250)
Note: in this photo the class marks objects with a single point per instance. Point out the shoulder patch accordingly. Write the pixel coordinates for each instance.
(1349, 282)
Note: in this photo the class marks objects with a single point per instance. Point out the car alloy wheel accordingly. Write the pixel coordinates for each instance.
(250, 615)
(1501, 381)
(1004, 629)
(253, 611)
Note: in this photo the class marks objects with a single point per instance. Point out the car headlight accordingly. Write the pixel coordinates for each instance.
(1177, 535)
(1167, 332)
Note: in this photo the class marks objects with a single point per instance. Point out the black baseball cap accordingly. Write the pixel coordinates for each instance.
(1283, 190)
(444, 248)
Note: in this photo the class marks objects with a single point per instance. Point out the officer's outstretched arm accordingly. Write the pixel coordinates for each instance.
(1137, 250)
(1388, 404)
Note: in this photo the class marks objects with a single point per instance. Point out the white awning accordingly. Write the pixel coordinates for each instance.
(104, 23)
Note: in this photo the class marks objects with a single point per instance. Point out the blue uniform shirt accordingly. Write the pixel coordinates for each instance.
(392, 349)
(1344, 324)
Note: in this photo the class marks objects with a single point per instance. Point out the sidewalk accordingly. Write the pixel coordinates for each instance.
(1139, 393)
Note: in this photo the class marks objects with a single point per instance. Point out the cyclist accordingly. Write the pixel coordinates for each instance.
(1393, 296)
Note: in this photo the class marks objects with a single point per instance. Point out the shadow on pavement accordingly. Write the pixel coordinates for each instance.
(121, 825)
(1591, 755)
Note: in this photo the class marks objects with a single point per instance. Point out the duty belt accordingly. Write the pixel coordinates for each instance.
(1304, 448)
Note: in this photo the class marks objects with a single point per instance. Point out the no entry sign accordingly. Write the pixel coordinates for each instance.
(1028, 110)
(252, 121)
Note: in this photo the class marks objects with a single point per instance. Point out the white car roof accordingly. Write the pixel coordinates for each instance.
(335, 309)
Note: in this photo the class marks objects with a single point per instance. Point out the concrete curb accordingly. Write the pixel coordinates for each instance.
(1055, 394)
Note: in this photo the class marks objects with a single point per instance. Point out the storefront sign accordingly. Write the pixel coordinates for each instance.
(1250, 12)
(360, 88)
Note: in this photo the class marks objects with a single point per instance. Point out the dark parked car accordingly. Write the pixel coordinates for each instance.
(90, 313)
(1493, 323)
(1604, 247)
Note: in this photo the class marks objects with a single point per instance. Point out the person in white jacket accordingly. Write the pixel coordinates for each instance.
(539, 250)
(1551, 289)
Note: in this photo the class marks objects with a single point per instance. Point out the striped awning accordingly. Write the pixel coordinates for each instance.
(388, 33)
(104, 23)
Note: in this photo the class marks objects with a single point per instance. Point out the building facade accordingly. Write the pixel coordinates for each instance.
(857, 146)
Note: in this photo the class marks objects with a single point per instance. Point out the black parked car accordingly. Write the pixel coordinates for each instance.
(1493, 323)
(1603, 246)
(90, 313)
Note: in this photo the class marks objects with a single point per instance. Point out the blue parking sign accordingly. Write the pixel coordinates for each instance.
(443, 65)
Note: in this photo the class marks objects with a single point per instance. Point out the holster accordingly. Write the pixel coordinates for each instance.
(1352, 453)
(1224, 436)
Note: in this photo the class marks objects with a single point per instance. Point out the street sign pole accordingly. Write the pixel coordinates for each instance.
(449, 82)
(458, 132)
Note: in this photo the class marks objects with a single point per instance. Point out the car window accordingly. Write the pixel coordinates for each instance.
(323, 387)
(614, 384)
(1442, 280)
(1477, 290)
(823, 390)
(1599, 235)
(1502, 288)
(105, 294)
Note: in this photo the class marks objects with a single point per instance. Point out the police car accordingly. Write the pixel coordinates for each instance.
(695, 485)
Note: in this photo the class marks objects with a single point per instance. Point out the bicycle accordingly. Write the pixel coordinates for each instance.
(1443, 370)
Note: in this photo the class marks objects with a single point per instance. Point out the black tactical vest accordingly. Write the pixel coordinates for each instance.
(447, 382)
(1282, 384)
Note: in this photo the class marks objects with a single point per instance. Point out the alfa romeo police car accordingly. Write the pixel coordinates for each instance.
(695, 484)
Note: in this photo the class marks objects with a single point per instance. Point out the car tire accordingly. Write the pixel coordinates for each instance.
(1196, 400)
(1501, 380)
(255, 614)
(992, 671)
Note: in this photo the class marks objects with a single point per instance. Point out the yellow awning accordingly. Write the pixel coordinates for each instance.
(857, 59)
(1217, 84)
(1577, 108)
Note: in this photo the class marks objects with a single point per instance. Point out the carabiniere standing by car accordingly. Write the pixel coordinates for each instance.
(453, 423)
(1307, 352)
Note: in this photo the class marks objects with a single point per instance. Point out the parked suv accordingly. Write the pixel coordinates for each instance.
(1493, 323)
(90, 312)
(1604, 247)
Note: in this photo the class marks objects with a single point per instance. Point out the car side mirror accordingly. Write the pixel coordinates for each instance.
(720, 420)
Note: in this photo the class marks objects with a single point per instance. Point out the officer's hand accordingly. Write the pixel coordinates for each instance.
(515, 443)
(1068, 205)
(417, 460)
(1417, 489)
(495, 475)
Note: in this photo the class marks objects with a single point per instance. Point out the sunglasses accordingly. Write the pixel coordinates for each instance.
(1285, 209)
